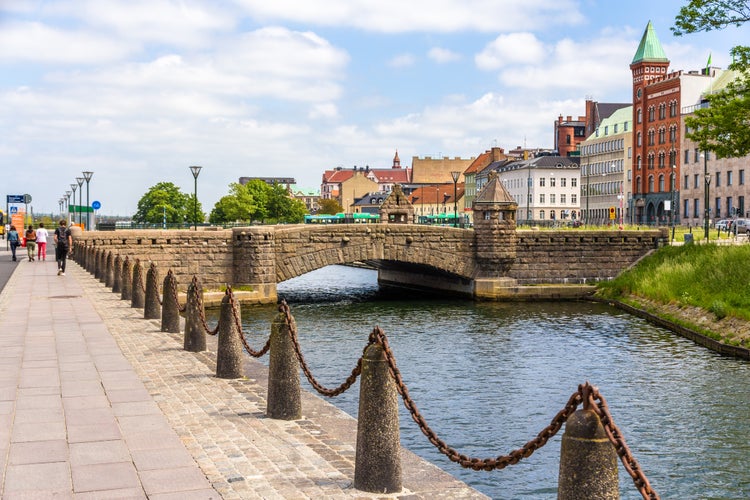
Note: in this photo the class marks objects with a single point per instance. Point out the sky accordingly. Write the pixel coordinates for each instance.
(139, 90)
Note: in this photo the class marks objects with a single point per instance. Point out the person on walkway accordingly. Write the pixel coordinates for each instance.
(30, 242)
(63, 245)
(14, 241)
(41, 242)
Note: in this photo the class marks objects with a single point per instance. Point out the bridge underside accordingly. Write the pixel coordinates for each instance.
(421, 278)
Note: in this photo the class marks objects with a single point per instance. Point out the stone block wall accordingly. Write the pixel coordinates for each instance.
(206, 254)
(579, 257)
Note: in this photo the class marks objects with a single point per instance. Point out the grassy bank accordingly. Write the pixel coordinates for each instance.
(709, 278)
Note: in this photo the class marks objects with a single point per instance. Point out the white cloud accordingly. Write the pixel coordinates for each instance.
(511, 49)
(401, 61)
(325, 110)
(396, 16)
(440, 55)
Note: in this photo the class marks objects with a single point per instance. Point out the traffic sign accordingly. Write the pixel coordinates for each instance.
(27, 198)
(612, 212)
(13, 210)
(15, 198)
(96, 205)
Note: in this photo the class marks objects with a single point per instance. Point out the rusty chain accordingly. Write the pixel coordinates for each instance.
(198, 303)
(137, 269)
(175, 297)
(356, 371)
(586, 394)
(238, 325)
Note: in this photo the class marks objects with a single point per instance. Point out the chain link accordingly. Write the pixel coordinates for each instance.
(284, 308)
(238, 325)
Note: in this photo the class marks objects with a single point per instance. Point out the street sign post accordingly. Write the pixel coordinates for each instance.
(16, 198)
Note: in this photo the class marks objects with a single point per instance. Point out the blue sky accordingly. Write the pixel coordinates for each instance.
(138, 90)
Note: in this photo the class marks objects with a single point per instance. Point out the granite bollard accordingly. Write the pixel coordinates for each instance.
(138, 297)
(284, 398)
(229, 350)
(588, 460)
(151, 307)
(195, 335)
(126, 280)
(170, 309)
(377, 467)
(116, 275)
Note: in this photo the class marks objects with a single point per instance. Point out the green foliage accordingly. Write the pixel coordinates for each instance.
(166, 199)
(329, 206)
(722, 126)
(257, 201)
(715, 278)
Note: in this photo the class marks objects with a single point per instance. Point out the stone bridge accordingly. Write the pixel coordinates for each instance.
(491, 261)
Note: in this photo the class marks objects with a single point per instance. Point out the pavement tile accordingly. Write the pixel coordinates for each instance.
(162, 458)
(47, 431)
(97, 477)
(131, 408)
(38, 402)
(121, 494)
(98, 452)
(172, 480)
(40, 415)
(30, 477)
(38, 452)
(204, 494)
(103, 431)
(80, 402)
(82, 388)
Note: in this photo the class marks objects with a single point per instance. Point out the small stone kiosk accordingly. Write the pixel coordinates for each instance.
(496, 239)
(396, 208)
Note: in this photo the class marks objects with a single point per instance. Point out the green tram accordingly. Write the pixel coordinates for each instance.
(342, 218)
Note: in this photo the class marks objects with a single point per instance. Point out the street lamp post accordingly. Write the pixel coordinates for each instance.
(195, 170)
(455, 174)
(706, 189)
(67, 197)
(74, 187)
(672, 180)
(80, 199)
(87, 176)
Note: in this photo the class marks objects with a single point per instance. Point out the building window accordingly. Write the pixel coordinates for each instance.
(696, 155)
(562, 199)
(742, 177)
(661, 183)
(638, 139)
(567, 139)
(687, 156)
(686, 207)
(696, 181)
(673, 109)
(718, 179)
(662, 135)
(551, 199)
(673, 133)
(630, 151)
(563, 182)
(651, 135)
(541, 214)
(650, 183)
(730, 207)
(696, 207)
(740, 205)
(573, 182)
(651, 161)
(662, 111)
(717, 204)
(638, 163)
(639, 116)
(541, 182)
(661, 159)
(651, 113)
(541, 198)
(625, 126)
(685, 182)
(730, 178)
(552, 182)
(552, 215)
(638, 185)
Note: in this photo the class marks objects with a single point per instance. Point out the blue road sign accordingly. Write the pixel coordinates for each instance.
(96, 205)
(15, 198)
(13, 210)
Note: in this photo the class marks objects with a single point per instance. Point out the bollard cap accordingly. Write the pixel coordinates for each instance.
(585, 424)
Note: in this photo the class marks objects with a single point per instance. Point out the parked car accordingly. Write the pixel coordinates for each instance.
(742, 225)
(575, 223)
(723, 224)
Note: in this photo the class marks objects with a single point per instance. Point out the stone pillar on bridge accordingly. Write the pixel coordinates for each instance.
(397, 209)
(255, 261)
(495, 236)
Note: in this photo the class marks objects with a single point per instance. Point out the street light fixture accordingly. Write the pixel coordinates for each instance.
(87, 176)
(74, 187)
(706, 190)
(67, 197)
(195, 170)
(672, 180)
(80, 199)
(455, 174)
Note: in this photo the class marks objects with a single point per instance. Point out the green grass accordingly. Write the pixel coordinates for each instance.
(714, 278)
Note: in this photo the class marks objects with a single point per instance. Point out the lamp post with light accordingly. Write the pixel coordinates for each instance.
(706, 187)
(67, 198)
(80, 199)
(195, 171)
(455, 174)
(74, 187)
(87, 177)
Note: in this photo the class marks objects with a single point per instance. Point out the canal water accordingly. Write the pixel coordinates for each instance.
(489, 376)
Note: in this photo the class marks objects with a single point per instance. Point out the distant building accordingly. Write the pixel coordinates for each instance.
(569, 133)
(607, 169)
(430, 170)
(284, 181)
(370, 202)
(309, 197)
(546, 188)
(478, 165)
(384, 179)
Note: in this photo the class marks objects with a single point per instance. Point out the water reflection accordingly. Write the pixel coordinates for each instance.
(489, 376)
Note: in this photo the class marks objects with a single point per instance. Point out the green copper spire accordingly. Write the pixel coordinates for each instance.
(649, 49)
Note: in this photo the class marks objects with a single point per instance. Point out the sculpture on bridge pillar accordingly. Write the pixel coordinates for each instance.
(495, 229)
(396, 209)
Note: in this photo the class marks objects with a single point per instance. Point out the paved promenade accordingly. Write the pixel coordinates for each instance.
(96, 402)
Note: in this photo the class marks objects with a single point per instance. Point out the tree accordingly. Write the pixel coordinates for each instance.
(166, 199)
(329, 206)
(238, 206)
(256, 200)
(724, 125)
(283, 207)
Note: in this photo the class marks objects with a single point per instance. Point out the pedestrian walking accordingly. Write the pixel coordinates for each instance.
(30, 242)
(13, 240)
(41, 242)
(63, 245)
